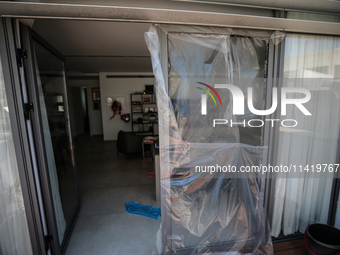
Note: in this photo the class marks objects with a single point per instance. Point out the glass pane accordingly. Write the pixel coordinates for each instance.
(211, 211)
(313, 16)
(56, 131)
(311, 63)
(14, 235)
(243, 66)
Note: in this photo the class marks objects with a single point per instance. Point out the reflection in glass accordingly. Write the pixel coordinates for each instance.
(56, 131)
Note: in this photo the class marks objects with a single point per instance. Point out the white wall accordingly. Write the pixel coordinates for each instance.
(95, 116)
(119, 87)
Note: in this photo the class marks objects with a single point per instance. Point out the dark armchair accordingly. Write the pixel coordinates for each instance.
(129, 143)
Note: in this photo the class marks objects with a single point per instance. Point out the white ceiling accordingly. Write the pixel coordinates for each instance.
(98, 46)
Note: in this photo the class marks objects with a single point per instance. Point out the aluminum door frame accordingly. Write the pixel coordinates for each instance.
(27, 37)
(20, 132)
(273, 70)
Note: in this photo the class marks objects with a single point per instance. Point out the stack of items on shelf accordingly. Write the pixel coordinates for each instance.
(137, 119)
(147, 99)
(136, 107)
(146, 119)
(153, 118)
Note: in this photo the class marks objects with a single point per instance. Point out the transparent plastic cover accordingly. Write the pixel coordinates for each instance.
(206, 211)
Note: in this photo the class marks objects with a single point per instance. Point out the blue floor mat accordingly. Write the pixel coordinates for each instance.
(143, 210)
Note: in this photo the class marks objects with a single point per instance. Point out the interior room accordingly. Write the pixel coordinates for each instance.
(106, 63)
(113, 111)
(217, 120)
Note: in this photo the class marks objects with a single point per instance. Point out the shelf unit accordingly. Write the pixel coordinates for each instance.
(144, 118)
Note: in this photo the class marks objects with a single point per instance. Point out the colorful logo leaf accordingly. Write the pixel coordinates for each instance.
(211, 88)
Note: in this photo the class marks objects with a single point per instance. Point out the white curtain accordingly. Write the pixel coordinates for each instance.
(311, 62)
(14, 235)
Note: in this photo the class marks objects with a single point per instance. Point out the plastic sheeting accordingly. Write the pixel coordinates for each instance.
(205, 212)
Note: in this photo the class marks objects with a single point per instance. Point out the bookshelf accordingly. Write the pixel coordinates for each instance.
(144, 116)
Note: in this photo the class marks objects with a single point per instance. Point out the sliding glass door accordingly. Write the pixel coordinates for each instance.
(311, 62)
(45, 73)
(199, 71)
(221, 210)
(14, 228)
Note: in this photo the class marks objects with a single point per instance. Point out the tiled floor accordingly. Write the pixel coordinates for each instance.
(106, 183)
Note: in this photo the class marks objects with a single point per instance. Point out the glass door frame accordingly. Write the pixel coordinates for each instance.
(27, 36)
(12, 77)
(278, 75)
(271, 75)
(275, 70)
(14, 92)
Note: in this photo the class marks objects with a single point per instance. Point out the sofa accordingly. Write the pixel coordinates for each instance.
(129, 143)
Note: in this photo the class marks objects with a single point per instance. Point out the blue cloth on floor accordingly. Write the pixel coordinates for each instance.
(143, 210)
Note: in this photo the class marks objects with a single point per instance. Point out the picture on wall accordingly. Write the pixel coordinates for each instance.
(96, 98)
(95, 94)
(116, 108)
